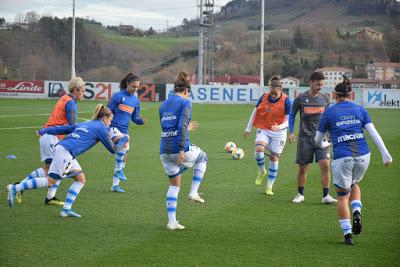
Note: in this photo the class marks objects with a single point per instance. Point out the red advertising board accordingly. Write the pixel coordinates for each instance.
(19, 86)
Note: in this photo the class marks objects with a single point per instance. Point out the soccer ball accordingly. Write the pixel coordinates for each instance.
(238, 153)
(230, 147)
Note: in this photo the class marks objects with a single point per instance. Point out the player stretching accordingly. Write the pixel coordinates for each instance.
(81, 138)
(270, 116)
(345, 122)
(125, 106)
(65, 112)
(177, 154)
(311, 105)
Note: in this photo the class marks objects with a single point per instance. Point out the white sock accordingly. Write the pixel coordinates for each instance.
(34, 183)
(356, 205)
(51, 192)
(199, 170)
(35, 174)
(115, 181)
(272, 173)
(119, 160)
(345, 226)
(260, 159)
(172, 202)
(72, 193)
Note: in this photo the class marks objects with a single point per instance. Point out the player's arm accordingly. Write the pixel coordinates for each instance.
(136, 116)
(106, 140)
(292, 119)
(56, 130)
(114, 102)
(247, 131)
(71, 109)
(320, 136)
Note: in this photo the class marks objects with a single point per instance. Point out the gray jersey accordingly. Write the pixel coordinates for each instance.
(311, 109)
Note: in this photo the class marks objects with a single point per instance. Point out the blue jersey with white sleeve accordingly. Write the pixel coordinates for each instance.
(81, 137)
(125, 107)
(175, 114)
(345, 122)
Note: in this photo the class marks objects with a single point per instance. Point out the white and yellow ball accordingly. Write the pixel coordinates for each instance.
(230, 147)
(238, 153)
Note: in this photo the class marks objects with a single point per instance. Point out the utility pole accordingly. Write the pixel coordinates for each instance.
(206, 42)
(201, 52)
(262, 45)
(73, 41)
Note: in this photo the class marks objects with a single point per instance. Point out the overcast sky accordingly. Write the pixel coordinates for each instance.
(143, 14)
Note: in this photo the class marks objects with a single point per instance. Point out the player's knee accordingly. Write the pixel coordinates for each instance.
(260, 147)
(81, 178)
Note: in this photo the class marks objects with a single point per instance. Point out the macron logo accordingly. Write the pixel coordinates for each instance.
(375, 96)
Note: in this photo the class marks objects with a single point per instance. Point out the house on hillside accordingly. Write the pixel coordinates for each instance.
(289, 82)
(383, 71)
(368, 34)
(126, 30)
(368, 83)
(334, 75)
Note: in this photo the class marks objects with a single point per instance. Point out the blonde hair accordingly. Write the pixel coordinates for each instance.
(101, 112)
(75, 83)
(182, 82)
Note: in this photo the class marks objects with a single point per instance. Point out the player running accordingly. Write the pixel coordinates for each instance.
(345, 122)
(311, 105)
(177, 154)
(125, 106)
(64, 113)
(270, 116)
(81, 138)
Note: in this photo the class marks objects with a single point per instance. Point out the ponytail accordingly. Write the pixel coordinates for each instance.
(344, 88)
(182, 82)
(101, 112)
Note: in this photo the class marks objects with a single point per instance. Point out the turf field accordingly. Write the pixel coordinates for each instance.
(238, 225)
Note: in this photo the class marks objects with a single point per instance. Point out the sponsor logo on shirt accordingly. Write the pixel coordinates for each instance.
(347, 137)
(314, 110)
(126, 108)
(168, 116)
(169, 134)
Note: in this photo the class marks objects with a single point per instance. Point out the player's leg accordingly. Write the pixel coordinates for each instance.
(73, 191)
(199, 159)
(260, 143)
(304, 157)
(322, 156)
(120, 158)
(276, 145)
(342, 178)
(174, 173)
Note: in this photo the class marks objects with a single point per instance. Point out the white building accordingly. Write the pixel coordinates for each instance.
(334, 75)
(289, 82)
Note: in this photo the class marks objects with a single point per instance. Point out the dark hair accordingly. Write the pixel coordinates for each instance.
(275, 82)
(101, 111)
(317, 76)
(130, 77)
(344, 88)
(182, 82)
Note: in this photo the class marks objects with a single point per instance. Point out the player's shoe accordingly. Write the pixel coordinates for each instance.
(357, 227)
(53, 201)
(117, 189)
(175, 226)
(69, 213)
(120, 175)
(11, 194)
(268, 191)
(298, 198)
(328, 199)
(196, 198)
(348, 240)
(18, 195)
(260, 177)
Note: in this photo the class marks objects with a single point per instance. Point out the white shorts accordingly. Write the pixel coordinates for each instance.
(275, 140)
(47, 143)
(62, 163)
(349, 170)
(191, 156)
(114, 132)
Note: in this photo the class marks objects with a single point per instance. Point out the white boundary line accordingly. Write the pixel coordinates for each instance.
(41, 114)
(25, 127)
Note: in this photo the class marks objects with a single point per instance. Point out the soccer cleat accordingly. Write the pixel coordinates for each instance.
(261, 177)
(53, 201)
(18, 195)
(298, 198)
(175, 226)
(268, 191)
(357, 223)
(117, 189)
(120, 175)
(69, 213)
(196, 198)
(328, 199)
(11, 194)
(348, 240)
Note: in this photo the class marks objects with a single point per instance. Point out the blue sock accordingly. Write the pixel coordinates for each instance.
(119, 160)
(35, 174)
(345, 226)
(72, 193)
(260, 159)
(51, 192)
(272, 172)
(300, 189)
(32, 184)
(172, 202)
(356, 205)
(325, 192)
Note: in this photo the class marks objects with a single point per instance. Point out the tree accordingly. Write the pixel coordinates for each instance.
(298, 39)
(2, 21)
(32, 17)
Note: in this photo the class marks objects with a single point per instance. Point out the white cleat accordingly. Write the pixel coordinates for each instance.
(175, 226)
(196, 198)
(328, 200)
(298, 199)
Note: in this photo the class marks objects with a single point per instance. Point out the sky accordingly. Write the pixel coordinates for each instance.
(142, 14)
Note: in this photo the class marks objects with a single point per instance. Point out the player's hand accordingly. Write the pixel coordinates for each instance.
(292, 138)
(193, 125)
(246, 134)
(387, 160)
(144, 120)
(37, 134)
(275, 127)
(181, 157)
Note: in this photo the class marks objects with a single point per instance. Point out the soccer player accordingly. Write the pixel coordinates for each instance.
(177, 154)
(270, 116)
(311, 105)
(64, 113)
(345, 122)
(81, 138)
(125, 106)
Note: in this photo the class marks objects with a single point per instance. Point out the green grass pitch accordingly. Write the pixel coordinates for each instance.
(238, 225)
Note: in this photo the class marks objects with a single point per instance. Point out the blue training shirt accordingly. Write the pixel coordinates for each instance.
(345, 122)
(125, 107)
(175, 114)
(81, 137)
